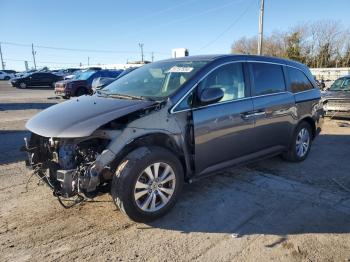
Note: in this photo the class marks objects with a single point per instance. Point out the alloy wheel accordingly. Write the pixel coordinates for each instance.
(154, 187)
(303, 142)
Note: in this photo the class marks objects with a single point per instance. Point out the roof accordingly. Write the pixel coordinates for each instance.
(238, 56)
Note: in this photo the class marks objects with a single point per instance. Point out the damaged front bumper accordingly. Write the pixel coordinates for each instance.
(37, 169)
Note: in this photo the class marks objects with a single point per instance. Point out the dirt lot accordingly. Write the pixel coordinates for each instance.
(271, 210)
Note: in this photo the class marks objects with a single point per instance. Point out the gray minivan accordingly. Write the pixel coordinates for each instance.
(172, 121)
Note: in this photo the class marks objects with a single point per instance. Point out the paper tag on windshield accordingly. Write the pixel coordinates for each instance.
(178, 69)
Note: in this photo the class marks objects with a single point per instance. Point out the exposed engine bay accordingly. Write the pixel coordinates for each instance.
(66, 164)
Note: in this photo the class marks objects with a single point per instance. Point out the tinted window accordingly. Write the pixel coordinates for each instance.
(229, 78)
(34, 76)
(268, 78)
(298, 80)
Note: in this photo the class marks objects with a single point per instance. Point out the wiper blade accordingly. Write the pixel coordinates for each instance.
(123, 96)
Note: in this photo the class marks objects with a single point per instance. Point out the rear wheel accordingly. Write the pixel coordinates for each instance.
(301, 143)
(23, 85)
(147, 183)
(7, 78)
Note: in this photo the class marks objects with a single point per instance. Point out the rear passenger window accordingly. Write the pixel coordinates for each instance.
(268, 78)
(229, 78)
(298, 80)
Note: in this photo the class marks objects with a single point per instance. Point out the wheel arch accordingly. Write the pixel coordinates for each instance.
(164, 140)
(311, 122)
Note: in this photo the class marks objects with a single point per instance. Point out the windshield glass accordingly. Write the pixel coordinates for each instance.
(85, 75)
(342, 84)
(156, 80)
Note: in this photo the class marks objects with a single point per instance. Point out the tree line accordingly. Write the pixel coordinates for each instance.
(323, 43)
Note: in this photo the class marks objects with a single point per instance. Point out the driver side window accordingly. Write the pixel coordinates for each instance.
(229, 78)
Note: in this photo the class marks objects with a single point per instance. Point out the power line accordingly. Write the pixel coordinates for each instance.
(229, 27)
(43, 62)
(79, 50)
(186, 2)
(187, 17)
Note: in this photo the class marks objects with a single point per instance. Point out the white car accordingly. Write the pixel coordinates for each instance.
(5, 76)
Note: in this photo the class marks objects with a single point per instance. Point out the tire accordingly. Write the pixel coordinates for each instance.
(299, 153)
(7, 78)
(23, 85)
(80, 91)
(137, 203)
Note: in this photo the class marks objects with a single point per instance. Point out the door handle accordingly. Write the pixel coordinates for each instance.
(260, 113)
(250, 115)
(247, 115)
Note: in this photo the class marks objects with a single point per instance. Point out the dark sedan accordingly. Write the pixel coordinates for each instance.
(36, 80)
(337, 98)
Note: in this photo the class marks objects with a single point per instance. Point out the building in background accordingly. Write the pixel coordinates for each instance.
(179, 52)
(330, 73)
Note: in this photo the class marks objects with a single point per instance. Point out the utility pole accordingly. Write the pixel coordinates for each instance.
(2, 60)
(88, 60)
(141, 46)
(152, 56)
(261, 27)
(34, 53)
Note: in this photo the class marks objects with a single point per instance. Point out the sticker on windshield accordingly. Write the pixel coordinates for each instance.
(182, 69)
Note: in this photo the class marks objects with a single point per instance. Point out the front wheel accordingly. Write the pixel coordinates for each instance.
(301, 143)
(147, 183)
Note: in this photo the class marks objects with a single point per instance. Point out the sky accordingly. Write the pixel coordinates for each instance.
(66, 32)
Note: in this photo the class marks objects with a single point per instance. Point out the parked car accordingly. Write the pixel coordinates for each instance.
(173, 121)
(65, 72)
(21, 74)
(5, 76)
(81, 85)
(337, 98)
(101, 82)
(36, 79)
(11, 72)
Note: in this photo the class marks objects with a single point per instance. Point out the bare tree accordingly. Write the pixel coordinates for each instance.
(322, 43)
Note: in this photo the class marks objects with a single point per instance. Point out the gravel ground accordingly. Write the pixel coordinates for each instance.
(271, 210)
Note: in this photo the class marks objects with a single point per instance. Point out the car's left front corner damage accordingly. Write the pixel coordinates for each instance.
(84, 165)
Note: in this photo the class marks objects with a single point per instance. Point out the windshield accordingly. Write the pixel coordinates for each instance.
(156, 80)
(342, 84)
(84, 75)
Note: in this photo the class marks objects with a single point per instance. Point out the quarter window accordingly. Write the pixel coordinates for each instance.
(268, 78)
(229, 78)
(298, 80)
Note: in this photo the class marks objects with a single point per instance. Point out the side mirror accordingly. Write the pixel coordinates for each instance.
(211, 95)
(100, 86)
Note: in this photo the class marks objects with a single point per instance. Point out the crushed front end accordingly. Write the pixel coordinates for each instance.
(66, 165)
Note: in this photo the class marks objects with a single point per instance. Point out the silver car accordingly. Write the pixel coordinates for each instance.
(171, 121)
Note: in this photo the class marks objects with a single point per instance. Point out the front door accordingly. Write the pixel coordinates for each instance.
(223, 131)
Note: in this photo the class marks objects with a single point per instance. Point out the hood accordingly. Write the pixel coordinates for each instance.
(80, 117)
(336, 95)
